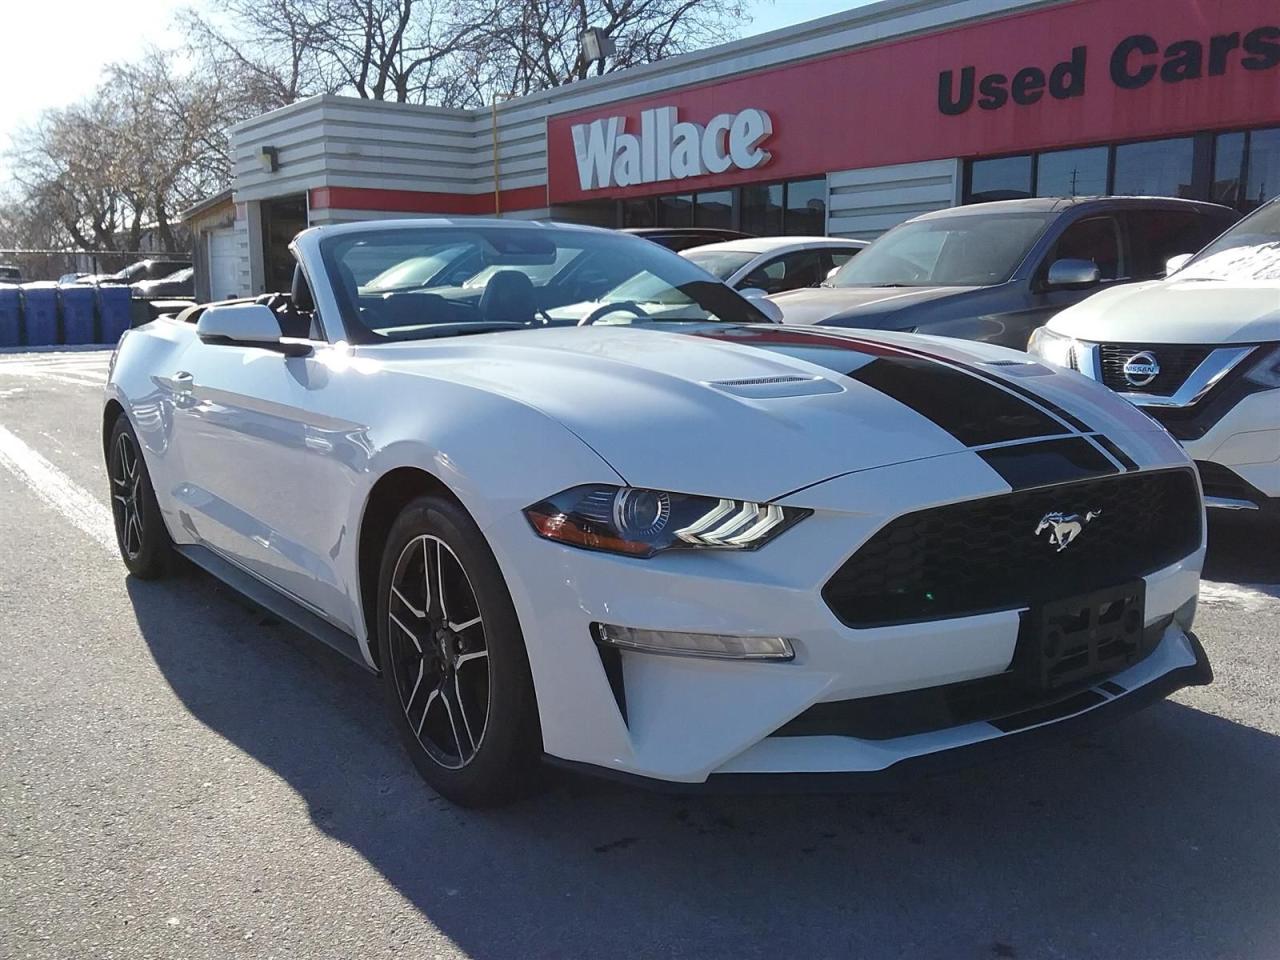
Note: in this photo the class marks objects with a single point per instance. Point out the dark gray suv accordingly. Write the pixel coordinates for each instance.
(996, 271)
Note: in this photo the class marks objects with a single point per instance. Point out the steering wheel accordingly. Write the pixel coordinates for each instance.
(607, 308)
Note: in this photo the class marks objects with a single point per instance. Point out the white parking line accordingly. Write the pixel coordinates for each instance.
(58, 490)
(76, 369)
(1250, 595)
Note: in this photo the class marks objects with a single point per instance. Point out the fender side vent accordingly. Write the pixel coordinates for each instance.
(611, 660)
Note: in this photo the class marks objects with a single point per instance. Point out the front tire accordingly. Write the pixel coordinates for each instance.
(145, 545)
(454, 667)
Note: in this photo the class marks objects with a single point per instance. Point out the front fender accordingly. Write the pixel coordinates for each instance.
(495, 455)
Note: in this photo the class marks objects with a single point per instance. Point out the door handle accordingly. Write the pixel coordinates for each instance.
(180, 382)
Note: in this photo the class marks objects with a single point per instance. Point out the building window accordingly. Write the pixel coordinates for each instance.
(1072, 173)
(676, 211)
(762, 210)
(714, 209)
(1263, 181)
(638, 213)
(806, 208)
(1239, 169)
(1229, 169)
(1155, 168)
(1004, 178)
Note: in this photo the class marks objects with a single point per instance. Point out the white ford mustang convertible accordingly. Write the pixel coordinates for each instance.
(573, 498)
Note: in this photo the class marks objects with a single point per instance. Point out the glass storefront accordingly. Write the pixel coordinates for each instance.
(1155, 168)
(1246, 168)
(1072, 173)
(792, 208)
(1003, 178)
(1239, 169)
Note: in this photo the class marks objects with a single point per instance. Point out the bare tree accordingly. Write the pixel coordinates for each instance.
(118, 166)
(534, 45)
(449, 52)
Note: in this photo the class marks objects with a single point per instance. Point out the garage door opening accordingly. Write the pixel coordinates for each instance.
(282, 220)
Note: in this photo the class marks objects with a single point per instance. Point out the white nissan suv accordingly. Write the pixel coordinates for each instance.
(1199, 351)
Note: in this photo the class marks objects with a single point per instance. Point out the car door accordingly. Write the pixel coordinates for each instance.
(1098, 238)
(269, 463)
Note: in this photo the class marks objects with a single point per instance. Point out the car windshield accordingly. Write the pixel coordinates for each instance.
(960, 251)
(418, 270)
(1248, 251)
(530, 277)
(720, 263)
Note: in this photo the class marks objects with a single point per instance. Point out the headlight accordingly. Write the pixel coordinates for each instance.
(1053, 347)
(1267, 370)
(640, 523)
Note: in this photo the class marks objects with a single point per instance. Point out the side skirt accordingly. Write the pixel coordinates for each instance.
(270, 599)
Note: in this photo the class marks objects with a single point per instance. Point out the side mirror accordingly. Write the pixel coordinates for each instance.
(1174, 264)
(758, 299)
(248, 325)
(1074, 274)
(832, 272)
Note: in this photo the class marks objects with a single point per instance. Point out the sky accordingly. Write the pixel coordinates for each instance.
(89, 34)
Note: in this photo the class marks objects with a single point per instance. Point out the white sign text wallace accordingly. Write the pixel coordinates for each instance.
(667, 148)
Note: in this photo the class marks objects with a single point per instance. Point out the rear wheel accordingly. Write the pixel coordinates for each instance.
(145, 545)
(455, 672)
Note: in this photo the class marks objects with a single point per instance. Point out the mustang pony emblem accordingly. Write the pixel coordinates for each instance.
(1063, 527)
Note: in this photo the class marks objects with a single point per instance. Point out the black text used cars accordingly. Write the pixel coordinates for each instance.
(996, 271)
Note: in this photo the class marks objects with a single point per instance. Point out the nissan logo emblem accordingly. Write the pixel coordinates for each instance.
(1140, 369)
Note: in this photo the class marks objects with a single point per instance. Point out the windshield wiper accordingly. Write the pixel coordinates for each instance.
(490, 327)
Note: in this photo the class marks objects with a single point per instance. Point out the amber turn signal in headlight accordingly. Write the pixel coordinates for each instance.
(639, 523)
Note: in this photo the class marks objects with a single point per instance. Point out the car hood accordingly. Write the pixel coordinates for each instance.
(818, 304)
(748, 411)
(1177, 311)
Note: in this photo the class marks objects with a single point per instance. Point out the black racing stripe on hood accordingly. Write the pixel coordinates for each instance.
(1113, 448)
(972, 405)
(1026, 465)
(973, 411)
(1007, 383)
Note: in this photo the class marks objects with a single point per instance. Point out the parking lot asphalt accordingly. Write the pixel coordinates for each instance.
(182, 776)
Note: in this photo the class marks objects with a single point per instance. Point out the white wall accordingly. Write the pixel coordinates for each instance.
(865, 203)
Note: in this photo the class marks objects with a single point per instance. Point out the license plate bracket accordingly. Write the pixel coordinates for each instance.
(1087, 635)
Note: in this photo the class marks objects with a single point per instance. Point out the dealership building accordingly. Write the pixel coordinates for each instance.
(845, 125)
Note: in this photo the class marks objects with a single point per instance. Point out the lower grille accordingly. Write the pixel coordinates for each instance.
(1176, 363)
(1005, 700)
(986, 555)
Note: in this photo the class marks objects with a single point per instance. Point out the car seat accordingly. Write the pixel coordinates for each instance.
(509, 298)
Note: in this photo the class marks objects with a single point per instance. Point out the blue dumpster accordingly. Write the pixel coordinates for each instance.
(115, 305)
(79, 303)
(40, 312)
(10, 315)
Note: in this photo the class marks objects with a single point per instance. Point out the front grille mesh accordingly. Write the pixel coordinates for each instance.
(1176, 364)
(985, 555)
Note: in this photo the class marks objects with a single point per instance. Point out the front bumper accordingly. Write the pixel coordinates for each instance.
(685, 720)
(1108, 705)
(1245, 440)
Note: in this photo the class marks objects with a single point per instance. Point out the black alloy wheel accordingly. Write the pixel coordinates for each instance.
(145, 545)
(454, 666)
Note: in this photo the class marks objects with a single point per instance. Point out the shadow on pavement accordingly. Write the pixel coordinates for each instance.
(1243, 549)
(1157, 838)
